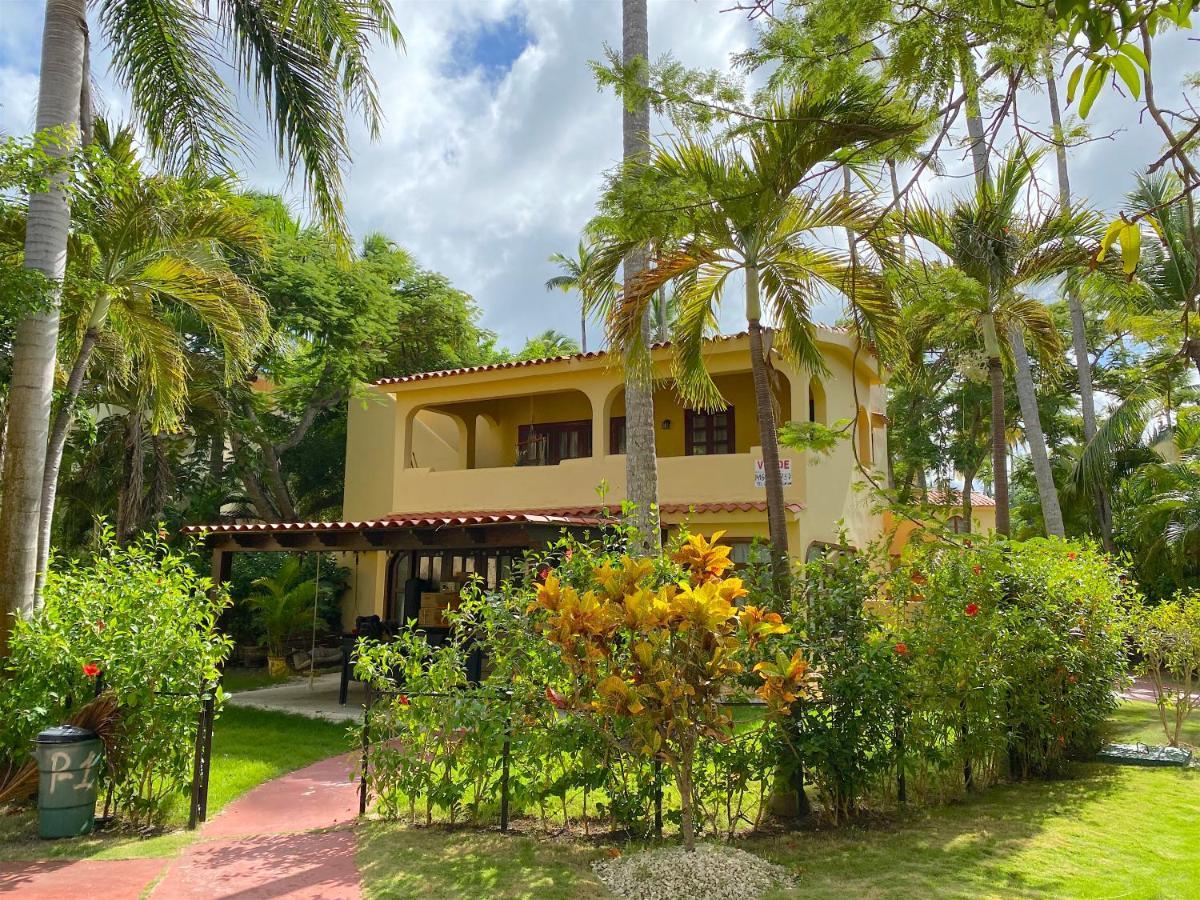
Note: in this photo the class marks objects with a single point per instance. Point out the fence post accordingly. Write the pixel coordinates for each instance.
(366, 743)
(658, 818)
(194, 809)
(209, 706)
(506, 754)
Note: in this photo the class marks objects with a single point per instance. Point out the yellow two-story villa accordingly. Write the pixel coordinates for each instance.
(458, 472)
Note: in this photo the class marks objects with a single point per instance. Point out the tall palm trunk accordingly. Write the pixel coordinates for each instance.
(768, 437)
(999, 435)
(59, 430)
(33, 356)
(1083, 362)
(641, 460)
(1027, 395)
(1022, 373)
(582, 329)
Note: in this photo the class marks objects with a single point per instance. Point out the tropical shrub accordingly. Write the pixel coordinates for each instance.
(651, 655)
(844, 729)
(1011, 650)
(141, 620)
(1168, 636)
(284, 603)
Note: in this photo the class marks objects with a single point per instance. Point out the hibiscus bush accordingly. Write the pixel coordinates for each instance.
(141, 620)
(1011, 653)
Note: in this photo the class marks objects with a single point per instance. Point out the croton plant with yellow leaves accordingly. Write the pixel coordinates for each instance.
(652, 653)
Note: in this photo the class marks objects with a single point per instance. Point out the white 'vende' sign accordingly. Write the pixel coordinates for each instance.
(760, 472)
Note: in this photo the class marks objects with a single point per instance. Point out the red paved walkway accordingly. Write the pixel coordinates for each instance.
(289, 838)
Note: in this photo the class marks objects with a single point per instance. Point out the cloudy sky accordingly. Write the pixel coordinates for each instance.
(496, 138)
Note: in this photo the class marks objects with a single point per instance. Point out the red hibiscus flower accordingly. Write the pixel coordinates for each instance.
(972, 609)
(1071, 555)
(91, 670)
(901, 649)
(555, 698)
(100, 626)
(918, 577)
(543, 573)
(404, 701)
(977, 569)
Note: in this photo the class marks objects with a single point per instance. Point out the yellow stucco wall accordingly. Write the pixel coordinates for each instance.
(448, 444)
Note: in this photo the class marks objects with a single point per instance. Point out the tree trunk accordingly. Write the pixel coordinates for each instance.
(129, 498)
(968, 500)
(262, 503)
(891, 165)
(1027, 395)
(1083, 360)
(36, 341)
(582, 329)
(54, 452)
(768, 438)
(975, 135)
(641, 460)
(999, 446)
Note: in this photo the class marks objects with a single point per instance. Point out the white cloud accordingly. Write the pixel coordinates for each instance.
(484, 177)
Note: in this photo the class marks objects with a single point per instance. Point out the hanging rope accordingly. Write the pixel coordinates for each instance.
(312, 654)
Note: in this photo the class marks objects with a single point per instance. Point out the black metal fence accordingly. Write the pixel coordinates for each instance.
(373, 694)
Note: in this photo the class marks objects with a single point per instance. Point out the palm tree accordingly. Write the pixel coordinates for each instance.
(575, 272)
(641, 455)
(284, 602)
(150, 247)
(742, 212)
(307, 62)
(548, 344)
(1169, 268)
(1000, 252)
(1079, 339)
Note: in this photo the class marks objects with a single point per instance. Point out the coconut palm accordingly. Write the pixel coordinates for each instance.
(574, 277)
(1001, 252)
(742, 210)
(307, 62)
(151, 249)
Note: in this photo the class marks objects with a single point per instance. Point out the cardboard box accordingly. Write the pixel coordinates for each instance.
(431, 618)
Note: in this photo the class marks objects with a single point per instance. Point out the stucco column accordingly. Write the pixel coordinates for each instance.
(466, 441)
(600, 400)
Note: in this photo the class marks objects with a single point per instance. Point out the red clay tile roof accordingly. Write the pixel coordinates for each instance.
(954, 498)
(597, 510)
(564, 515)
(521, 363)
(423, 520)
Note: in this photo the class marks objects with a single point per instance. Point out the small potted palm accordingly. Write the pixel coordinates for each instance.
(284, 602)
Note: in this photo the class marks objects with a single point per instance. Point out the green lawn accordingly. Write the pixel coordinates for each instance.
(1110, 831)
(249, 747)
(237, 680)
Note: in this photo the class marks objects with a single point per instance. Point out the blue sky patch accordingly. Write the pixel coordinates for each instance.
(491, 46)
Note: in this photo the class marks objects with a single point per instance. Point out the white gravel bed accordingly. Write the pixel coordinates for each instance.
(711, 872)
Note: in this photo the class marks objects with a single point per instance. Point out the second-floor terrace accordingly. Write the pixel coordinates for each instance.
(551, 434)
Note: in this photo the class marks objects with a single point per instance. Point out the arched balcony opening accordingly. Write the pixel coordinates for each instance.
(542, 429)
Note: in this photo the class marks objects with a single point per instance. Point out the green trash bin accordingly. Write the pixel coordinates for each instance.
(68, 760)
